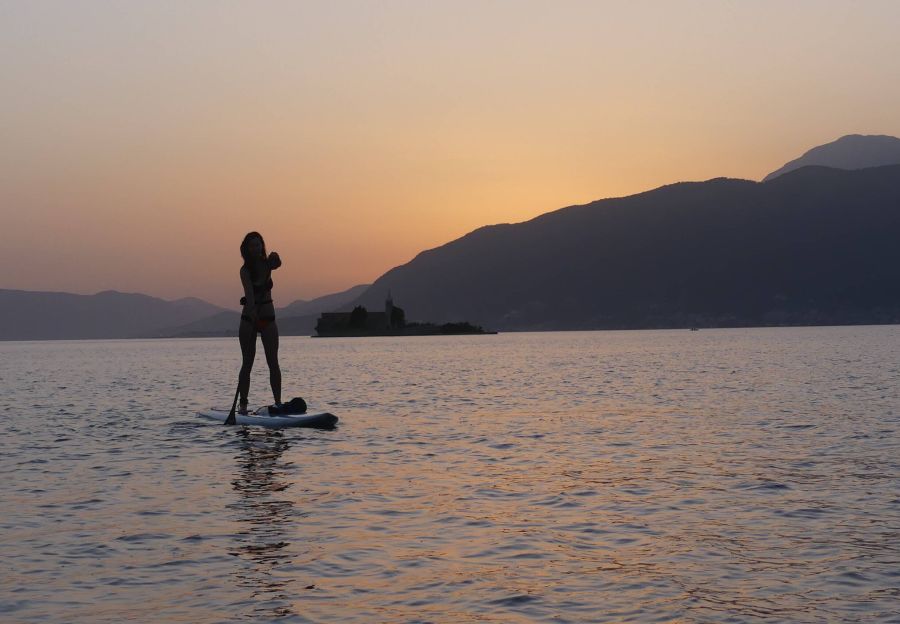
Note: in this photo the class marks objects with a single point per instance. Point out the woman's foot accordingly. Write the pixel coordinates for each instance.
(242, 410)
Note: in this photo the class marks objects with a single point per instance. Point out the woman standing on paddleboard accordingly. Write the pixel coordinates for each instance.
(258, 315)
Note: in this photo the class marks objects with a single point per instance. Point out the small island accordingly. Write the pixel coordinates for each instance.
(391, 322)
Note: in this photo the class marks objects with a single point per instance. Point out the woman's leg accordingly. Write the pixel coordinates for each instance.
(270, 344)
(247, 337)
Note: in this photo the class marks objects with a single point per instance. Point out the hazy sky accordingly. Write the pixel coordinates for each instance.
(141, 140)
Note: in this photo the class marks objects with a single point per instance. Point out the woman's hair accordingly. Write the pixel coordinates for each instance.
(245, 247)
(252, 264)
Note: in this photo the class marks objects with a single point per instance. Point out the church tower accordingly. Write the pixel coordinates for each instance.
(389, 309)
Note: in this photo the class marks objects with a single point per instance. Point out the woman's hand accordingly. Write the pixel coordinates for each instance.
(274, 260)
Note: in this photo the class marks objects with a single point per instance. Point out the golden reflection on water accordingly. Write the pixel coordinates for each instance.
(715, 476)
(265, 510)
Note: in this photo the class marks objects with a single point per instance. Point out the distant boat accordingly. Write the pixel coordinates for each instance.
(694, 329)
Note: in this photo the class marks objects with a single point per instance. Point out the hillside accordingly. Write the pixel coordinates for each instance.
(30, 315)
(815, 246)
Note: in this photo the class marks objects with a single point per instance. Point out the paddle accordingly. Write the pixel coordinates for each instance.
(231, 420)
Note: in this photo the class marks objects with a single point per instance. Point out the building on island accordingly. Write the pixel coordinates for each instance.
(362, 322)
(391, 322)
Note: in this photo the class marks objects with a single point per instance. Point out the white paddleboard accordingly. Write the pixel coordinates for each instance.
(261, 418)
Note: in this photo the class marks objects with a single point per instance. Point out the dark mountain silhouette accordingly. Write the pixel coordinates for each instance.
(27, 315)
(854, 151)
(295, 319)
(322, 304)
(224, 323)
(817, 245)
(298, 325)
(35, 315)
(814, 246)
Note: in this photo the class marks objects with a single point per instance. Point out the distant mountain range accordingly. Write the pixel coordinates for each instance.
(326, 303)
(27, 315)
(809, 245)
(296, 318)
(30, 315)
(814, 246)
(854, 151)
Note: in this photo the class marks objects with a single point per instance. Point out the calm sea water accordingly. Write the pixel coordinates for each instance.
(712, 476)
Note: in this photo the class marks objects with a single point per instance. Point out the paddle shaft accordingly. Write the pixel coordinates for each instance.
(231, 420)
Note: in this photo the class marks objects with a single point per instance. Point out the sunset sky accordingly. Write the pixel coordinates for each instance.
(141, 140)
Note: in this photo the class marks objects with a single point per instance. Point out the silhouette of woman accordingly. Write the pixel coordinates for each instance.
(258, 315)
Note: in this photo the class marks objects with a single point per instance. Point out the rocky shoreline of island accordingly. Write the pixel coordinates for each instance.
(391, 322)
(412, 329)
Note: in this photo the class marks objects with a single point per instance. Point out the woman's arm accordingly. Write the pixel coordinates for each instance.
(248, 290)
(274, 260)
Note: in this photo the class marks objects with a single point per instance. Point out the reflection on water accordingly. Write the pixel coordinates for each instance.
(266, 511)
(713, 476)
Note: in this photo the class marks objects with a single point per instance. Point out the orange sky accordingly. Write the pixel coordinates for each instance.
(142, 140)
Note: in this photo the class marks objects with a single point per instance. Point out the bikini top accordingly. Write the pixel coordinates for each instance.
(263, 286)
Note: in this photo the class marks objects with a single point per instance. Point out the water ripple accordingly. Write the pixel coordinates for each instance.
(716, 476)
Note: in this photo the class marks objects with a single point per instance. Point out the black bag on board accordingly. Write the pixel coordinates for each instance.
(295, 406)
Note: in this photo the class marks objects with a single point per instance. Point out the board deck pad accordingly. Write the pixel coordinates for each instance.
(312, 418)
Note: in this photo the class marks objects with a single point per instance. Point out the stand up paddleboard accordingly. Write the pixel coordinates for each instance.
(262, 418)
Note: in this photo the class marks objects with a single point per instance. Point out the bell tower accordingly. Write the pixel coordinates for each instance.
(389, 309)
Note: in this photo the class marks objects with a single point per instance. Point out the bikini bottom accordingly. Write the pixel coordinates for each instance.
(261, 323)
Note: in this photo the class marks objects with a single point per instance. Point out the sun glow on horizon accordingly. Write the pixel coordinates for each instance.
(142, 142)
